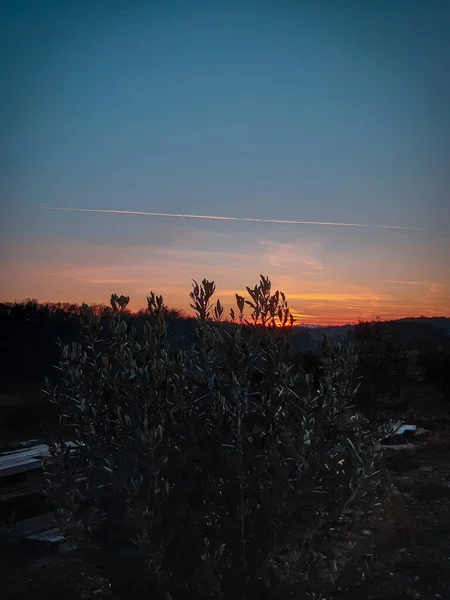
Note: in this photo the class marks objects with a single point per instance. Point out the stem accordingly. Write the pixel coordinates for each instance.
(241, 488)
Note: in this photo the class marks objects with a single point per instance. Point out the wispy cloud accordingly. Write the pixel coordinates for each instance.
(108, 281)
(402, 282)
(433, 288)
(220, 218)
(300, 315)
(335, 297)
(437, 288)
(291, 256)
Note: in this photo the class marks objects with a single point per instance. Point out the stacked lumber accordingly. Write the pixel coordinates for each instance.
(22, 460)
(38, 529)
(21, 479)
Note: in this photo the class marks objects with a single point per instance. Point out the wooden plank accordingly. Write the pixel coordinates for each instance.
(50, 536)
(20, 468)
(27, 449)
(33, 525)
(20, 458)
(40, 529)
(38, 449)
(14, 493)
(26, 459)
(19, 461)
(19, 464)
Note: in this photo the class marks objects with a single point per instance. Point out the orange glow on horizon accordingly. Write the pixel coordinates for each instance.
(331, 311)
(316, 292)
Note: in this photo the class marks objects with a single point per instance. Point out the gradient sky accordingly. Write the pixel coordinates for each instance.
(306, 111)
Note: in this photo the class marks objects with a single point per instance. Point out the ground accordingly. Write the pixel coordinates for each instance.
(402, 547)
(410, 539)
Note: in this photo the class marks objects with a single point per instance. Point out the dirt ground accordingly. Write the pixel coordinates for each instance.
(401, 549)
(408, 551)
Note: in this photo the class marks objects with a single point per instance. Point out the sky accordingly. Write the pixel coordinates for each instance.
(329, 114)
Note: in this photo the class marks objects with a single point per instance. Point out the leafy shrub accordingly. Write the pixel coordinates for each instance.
(193, 471)
(383, 365)
(435, 363)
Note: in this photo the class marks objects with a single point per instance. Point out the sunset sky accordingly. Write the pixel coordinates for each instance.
(326, 112)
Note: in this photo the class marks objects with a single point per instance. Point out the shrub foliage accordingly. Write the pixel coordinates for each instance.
(193, 470)
(383, 365)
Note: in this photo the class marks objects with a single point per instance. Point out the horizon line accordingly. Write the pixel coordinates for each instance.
(297, 321)
(221, 218)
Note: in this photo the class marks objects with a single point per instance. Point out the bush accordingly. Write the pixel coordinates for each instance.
(383, 365)
(435, 363)
(194, 471)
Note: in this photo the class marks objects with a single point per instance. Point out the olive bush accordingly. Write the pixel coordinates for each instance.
(189, 473)
(383, 366)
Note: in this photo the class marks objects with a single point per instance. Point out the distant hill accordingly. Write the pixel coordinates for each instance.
(443, 322)
(29, 332)
(307, 338)
(336, 329)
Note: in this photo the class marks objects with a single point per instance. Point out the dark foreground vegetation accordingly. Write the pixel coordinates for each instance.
(227, 459)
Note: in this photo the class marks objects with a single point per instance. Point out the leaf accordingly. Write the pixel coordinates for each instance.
(240, 302)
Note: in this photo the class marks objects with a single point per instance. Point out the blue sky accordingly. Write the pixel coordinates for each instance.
(312, 111)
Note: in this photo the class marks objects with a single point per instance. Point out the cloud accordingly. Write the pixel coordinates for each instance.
(289, 257)
(219, 218)
(402, 282)
(300, 315)
(333, 297)
(108, 281)
(436, 288)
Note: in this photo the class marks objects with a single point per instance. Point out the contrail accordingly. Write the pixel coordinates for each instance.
(217, 218)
